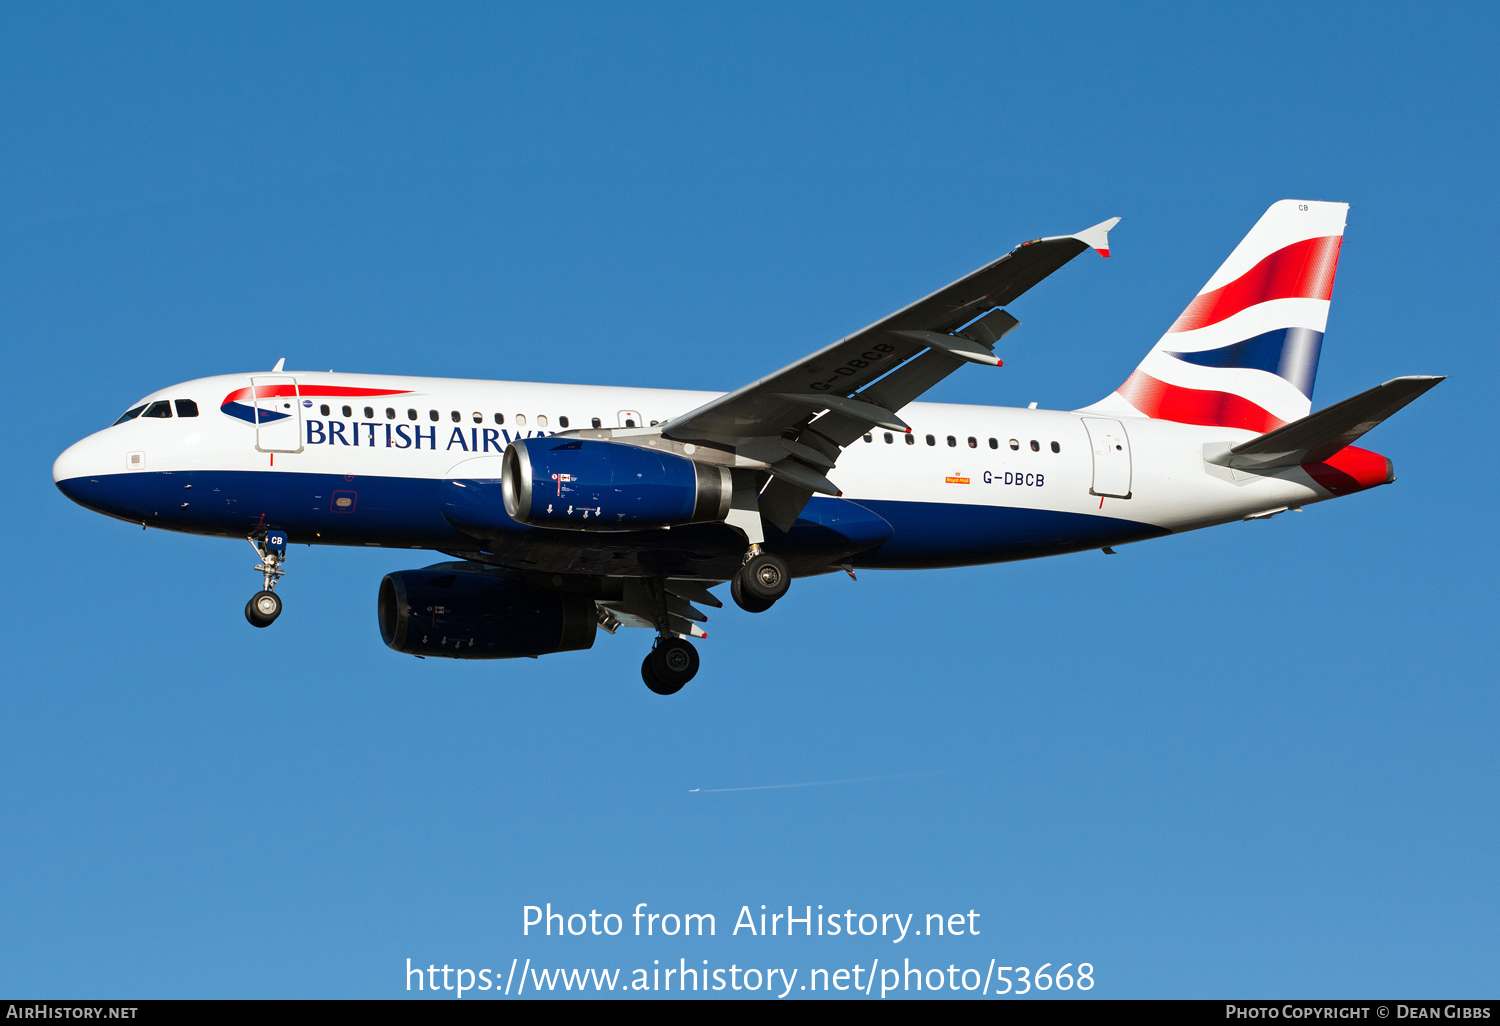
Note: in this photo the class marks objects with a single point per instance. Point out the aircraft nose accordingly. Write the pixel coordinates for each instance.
(77, 470)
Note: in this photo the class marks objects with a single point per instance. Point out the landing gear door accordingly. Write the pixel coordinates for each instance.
(278, 413)
(1111, 457)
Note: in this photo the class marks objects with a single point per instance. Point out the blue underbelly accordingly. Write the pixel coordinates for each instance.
(403, 512)
(329, 509)
(933, 534)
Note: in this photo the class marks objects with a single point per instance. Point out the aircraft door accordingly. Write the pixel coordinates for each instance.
(1111, 457)
(278, 413)
(630, 419)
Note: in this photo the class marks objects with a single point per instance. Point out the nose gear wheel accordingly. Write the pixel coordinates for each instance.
(263, 608)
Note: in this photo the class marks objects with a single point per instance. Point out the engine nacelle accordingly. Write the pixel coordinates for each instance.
(581, 485)
(469, 615)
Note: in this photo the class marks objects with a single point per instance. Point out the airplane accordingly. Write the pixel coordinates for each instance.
(566, 509)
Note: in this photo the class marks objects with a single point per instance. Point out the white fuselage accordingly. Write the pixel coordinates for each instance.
(957, 455)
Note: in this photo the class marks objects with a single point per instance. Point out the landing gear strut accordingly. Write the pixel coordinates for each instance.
(265, 605)
(760, 582)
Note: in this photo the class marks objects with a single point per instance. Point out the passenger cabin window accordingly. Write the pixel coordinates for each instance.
(478, 418)
(160, 408)
(541, 420)
(562, 421)
(911, 439)
(952, 441)
(1034, 446)
(994, 443)
(889, 438)
(931, 440)
(630, 422)
(499, 418)
(869, 438)
(1014, 444)
(390, 414)
(457, 417)
(369, 413)
(1056, 447)
(323, 409)
(520, 420)
(186, 407)
(411, 414)
(973, 442)
(432, 415)
(129, 414)
(348, 412)
(596, 422)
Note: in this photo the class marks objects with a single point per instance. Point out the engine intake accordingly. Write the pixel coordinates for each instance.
(474, 615)
(582, 485)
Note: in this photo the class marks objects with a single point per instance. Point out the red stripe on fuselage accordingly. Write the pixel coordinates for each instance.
(1162, 401)
(1303, 270)
(309, 392)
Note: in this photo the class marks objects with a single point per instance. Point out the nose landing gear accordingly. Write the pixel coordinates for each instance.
(265, 605)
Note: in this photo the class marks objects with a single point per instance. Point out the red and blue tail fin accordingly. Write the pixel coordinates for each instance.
(1244, 353)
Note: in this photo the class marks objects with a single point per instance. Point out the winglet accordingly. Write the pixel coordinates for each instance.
(1097, 237)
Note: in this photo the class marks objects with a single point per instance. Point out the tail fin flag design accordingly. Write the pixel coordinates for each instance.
(1244, 354)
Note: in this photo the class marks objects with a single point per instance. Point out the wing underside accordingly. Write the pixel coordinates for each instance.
(795, 422)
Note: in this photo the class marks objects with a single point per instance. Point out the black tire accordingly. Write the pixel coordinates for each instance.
(765, 578)
(648, 674)
(263, 608)
(655, 683)
(749, 605)
(673, 663)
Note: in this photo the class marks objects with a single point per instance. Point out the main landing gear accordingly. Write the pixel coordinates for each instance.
(265, 605)
(760, 582)
(672, 661)
(670, 664)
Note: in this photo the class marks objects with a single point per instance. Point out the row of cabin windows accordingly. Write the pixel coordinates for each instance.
(161, 408)
(455, 416)
(1015, 443)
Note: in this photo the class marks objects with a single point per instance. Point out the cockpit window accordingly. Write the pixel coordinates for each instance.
(160, 408)
(130, 414)
(186, 407)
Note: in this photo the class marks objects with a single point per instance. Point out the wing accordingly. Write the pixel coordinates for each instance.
(797, 420)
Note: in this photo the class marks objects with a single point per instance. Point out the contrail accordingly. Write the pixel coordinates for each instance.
(810, 783)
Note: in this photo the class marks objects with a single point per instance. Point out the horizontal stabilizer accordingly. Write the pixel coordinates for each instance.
(1316, 437)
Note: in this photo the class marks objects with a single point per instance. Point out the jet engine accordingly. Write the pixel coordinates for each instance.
(583, 485)
(477, 615)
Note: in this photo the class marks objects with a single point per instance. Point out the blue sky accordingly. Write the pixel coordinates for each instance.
(1255, 761)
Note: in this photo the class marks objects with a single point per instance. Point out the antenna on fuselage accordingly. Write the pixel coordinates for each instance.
(279, 364)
